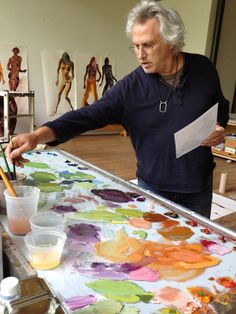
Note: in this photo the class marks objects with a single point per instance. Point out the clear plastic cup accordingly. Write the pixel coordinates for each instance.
(21, 208)
(47, 220)
(45, 248)
(20, 177)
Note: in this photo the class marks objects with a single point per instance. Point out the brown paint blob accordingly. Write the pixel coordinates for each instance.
(154, 217)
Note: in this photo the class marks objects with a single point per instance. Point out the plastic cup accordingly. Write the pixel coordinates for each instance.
(47, 220)
(21, 208)
(19, 181)
(45, 248)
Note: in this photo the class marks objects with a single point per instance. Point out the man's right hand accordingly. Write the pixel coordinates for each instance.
(20, 144)
(26, 142)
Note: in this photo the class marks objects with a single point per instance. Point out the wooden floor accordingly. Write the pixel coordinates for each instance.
(114, 153)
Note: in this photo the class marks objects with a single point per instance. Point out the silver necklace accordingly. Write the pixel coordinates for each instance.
(163, 104)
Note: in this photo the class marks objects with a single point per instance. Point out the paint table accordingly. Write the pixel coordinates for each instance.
(128, 251)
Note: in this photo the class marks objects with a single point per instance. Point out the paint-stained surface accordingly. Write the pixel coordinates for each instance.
(126, 253)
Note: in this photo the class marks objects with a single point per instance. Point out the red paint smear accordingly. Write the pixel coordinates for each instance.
(226, 282)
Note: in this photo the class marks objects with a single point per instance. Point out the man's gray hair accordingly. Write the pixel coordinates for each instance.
(171, 25)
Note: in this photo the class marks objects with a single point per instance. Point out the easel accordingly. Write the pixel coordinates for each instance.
(6, 94)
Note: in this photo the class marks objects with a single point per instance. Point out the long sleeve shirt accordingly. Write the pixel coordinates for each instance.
(134, 103)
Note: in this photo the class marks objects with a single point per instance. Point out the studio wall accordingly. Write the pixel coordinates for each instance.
(89, 26)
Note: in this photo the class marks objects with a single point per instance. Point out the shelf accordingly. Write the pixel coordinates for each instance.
(223, 154)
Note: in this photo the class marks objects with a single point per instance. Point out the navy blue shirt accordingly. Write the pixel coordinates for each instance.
(133, 102)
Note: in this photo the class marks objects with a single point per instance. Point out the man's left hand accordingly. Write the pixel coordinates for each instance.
(215, 137)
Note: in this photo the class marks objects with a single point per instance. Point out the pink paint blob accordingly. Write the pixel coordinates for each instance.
(143, 274)
(215, 248)
(173, 296)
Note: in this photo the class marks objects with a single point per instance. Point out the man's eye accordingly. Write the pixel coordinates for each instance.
(147, 46)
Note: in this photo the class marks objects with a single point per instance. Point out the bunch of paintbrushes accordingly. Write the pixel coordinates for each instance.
(9, 176)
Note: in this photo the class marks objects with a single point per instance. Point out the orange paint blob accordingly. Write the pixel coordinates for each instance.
(156, 256)
(139, 223)
(132, 206)
(181, 274)
(202, 294)
(169, 223)
(176, 233)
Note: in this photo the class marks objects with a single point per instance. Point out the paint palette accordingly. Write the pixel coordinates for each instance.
(129, 251)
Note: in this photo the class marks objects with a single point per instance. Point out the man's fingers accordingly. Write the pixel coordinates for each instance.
(19, 162)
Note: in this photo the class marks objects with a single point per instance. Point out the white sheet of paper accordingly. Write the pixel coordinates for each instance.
(193, 134)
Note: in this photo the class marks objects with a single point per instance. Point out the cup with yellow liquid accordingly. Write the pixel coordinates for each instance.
(45, 247)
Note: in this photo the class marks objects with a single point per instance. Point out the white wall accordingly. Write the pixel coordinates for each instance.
(196, 17)
(90, 26)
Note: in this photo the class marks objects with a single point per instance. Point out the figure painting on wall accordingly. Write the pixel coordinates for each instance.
(60, 81)
(14, 78)
(92, 69)
(66, 70)
(2, 81)
(107, 73)
(14, 68)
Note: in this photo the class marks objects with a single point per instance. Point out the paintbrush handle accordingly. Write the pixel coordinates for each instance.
(6, 163)
(7, 183)
(14, 165)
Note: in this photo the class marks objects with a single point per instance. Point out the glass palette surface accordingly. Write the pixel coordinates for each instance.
(129, 251)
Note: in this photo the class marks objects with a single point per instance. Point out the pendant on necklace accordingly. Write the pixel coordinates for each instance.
(162, 106)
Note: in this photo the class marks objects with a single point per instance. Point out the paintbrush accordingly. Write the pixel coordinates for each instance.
(14, 165)
(6, 163)
(7, 183)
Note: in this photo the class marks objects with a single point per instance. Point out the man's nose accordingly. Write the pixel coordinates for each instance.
(140, 52)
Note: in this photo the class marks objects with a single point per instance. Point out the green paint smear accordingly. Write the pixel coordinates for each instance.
(129, 310)
(123, 291)
(141, 233)
(50, 187)
(103, 307)
(123, 298)
(98, 216)
(86, 185)
(43, 176)
(77, 175)
(146, 297)
(101, 207)
(130, 212)
(38, 165)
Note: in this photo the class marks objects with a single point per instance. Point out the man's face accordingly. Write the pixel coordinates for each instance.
(150, 48)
